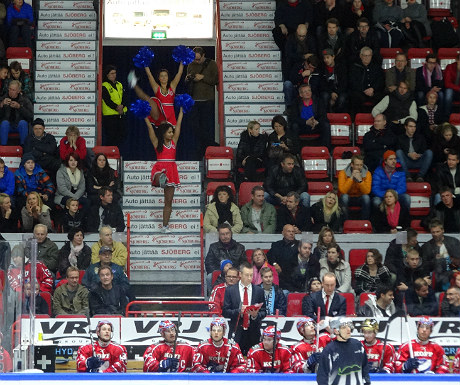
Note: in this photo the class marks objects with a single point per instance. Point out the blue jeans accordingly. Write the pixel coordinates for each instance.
(423, 163)
(449, 96)
(304, 199)
(5, 127)
(404, 201)
(363, 201)
(290, 93)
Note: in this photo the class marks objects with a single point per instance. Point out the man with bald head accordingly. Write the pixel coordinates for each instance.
(299, 46)
(283, 255)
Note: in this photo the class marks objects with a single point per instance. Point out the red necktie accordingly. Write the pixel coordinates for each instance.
(327, 304)
(245, 315)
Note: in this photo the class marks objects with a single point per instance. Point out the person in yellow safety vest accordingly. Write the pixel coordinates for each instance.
(113, 108)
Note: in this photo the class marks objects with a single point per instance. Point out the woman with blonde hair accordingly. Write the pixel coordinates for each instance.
(72, 142)
(35, 212)
(325, 239)
(8, 216)
(326, 212)
(390, 214)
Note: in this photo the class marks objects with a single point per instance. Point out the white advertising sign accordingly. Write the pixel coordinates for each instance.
(66, 35)
(64, 55)
(238, 25)
(185, 178)
(60, 131)
(165, 239)
(71, 14)
(240, 109)
(173, 252)
(252, 87)
(252, 97)
(165, 265)
(252, 66)
(247, 35)
(66, 25)
(46, 97)
(66, 65)
(247, 5)
(64, 87)
(66, 4)
(274, 76)
(148, 215)
(158, 201)
(67, 76)
(247, 15)
(245, 55)
(66, 45)
(147, 189)
(73, 108)
(141, 165)
(66, 120)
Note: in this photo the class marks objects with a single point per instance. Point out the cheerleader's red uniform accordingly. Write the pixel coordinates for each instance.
(165, 104)
(166, 163)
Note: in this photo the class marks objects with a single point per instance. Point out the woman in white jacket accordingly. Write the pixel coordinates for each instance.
(70, 181)
(334, 263)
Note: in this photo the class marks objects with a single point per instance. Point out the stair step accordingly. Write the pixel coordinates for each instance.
(66, 35)
(47, 45)
(147, 189)
(252, 87)
(254, 76)
(233, 55)
(247, 25)
(65, 55)
(67, 14)
(64, 76)
(241, 109)
(71, 108)
(65, 97)
(66, 4)
(247, 35)
(158, 202)
(247, 6)
(65, 86)
(66, 119)
(253, 97)
(66, 25)
(65, 65)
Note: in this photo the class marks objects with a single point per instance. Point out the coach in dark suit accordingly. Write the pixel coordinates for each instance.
(337, 305)
(233, 308)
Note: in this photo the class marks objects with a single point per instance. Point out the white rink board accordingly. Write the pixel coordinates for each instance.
(247, 35)
(240, 109)
(148, 189)
(66, 35)
(66, 45)
(142, 165)
(149, 215)
(65, 65)
(247, 5)
(253, 97)
(64, 55)
(73, 108)
(66, 120)
(251, 66)
(165, 240)
(70, 14)
(253, 76)
(158, 201)
(245, 55)
(64, 87)
(66, 4)
(253, 87)
(65, 97)
(247, 25)
(65, 76)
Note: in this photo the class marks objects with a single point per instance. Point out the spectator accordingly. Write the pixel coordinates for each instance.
(335, 79)
(334, 263)
(72, 142)
(218, 292)
(293, 214)
(310, 116)
(259, 261)
(281, 142)
(332, 39)
(225, 248)
(445, 141)
(413, 269)
(372, 274)
(313, 285)
(452, 83)
(4, 70)
(257, 215)
(430, 117)
(447, 211)
(361, 37)
(16, 112)
(389, 176)
(283, 256)
(398, 73)
(450, 306)
(6, 179)
(72, 217)
(275, 300)
(428, 78)
(412, 151)
(331, 304)
(367, 85)
(17, 73)
(283, 178)
(222, 209)
(8, 215)
(41, 306)
(70, 182)
(445, 270)
(92, 278)
(326, 212)
(107, 298)
(114, 109)
(439, 246)
(421, 300)
(353, 13)
(325, 239)
(47, 250)
(19, 19)
(390, 215)
(288, 16)
(307, 266)
(35, 212)
(250, 154)
(448, 174)
(119, 252)
(31, 177)
(396, 253)
(102, 175)
(387, 16)
(299, 46)
(379, 305)
(106, 213)
(224, 266)
(43, 147)
(354, 183)
(324, 11)
(75, 252)
(415, 13)
(71, 297)
(203, 77)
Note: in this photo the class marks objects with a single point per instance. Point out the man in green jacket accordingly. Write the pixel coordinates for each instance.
(258, 216)
(71, 297)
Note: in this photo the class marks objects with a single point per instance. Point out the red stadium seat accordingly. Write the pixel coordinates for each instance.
(417, 56)
(441, 297)
(420, 194)
(23, 55)
(11, 155)
(211, 187)
(294, 304)
(389, 56)
(363, 122)
(47, 297)
(364, 297)
(218, 161)
(350, 298)
(416, 225)
(244, 192)
(112, 153)
(447, 56)
(454, 119)
(357, 226)
(340, 128)
(338, 162)
(439, 8)
(315, 162)
(318, 190)
(356, 258)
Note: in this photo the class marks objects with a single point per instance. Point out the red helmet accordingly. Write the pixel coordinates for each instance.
(425, 320)
(304, 321)
(270, 332)
(165, 325)
(101, 323)
(218, 321)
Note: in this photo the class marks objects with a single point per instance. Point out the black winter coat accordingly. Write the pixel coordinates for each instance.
(113, 217)
(250, 146)
(317, 214)
(280, 182)
(218, 252)
(394, 257)
(365, 77)
(83, 259)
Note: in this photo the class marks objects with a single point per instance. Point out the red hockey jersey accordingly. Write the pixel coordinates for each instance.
(114, 356)
(374, 353)
(302, 350)
(207, 352)
(6, 365)
(158, 352)
(430, 356)
(457, 362)
(260, 361)
(44, 277)
(217, 296)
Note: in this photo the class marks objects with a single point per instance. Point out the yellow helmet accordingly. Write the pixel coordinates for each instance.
(370, 324)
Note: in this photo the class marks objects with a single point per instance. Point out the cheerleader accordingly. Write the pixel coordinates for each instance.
(164, 172)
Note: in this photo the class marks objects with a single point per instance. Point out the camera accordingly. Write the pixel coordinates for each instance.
(190, 77)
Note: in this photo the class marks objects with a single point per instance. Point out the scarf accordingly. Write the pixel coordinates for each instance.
(74, 178)
(256, 278)
(431, 112)
(427, 74)
(393, 217)
(270, 301)
(224, 212)
(74, 253)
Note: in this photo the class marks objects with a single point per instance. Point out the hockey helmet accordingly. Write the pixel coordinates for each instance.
(426, 321)
(304, 321)
(337, 323)
(371, 325)
(165, 325)
(269, 331)
(102, 323)
(218, 321)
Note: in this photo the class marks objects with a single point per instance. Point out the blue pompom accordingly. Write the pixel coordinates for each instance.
(143, 58)
(185, 101)
(183, 54)
(140, 108)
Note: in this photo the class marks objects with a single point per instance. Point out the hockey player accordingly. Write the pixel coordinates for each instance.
(305, 354)
(102, 356)
(168, 355)
(260, 356)
(428, 356)
(218, 354)
(457, 362)
(344, 360)
(374, 348)
(6, 365)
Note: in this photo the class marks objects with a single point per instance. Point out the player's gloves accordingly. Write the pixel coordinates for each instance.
(214, 367)
(93, 363)
(410, 365)
(313, 360)
(169, 365)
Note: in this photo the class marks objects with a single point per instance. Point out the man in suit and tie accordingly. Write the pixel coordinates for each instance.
(245, 324)
(332, 304)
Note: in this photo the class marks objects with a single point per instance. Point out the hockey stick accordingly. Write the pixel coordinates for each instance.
(411, 350)
(177, 334)
(90, 335)
(318, 320)
(231, 341)
(399, 313)
(274, 341)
